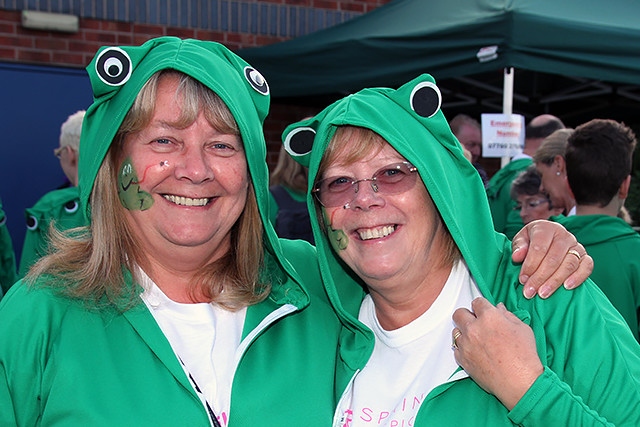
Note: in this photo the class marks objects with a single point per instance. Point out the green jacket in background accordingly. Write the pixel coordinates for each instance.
(505, 219)
(60, 207)
(615, 248)
(7, 256)
(591, 360)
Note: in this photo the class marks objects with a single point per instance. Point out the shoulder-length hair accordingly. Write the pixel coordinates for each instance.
(91, 263)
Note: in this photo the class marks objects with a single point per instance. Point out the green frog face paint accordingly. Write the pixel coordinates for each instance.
(131, 195)
(338, 238)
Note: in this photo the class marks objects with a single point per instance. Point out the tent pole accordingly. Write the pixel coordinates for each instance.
(507, 102)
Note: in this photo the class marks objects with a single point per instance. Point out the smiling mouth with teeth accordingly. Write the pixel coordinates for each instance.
(186, 201)
(377, 233)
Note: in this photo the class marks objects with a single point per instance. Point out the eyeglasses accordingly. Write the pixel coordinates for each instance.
(395, 178)
(530, 204)
(58, 151)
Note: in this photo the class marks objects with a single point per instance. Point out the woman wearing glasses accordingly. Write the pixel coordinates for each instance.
(436, 331)
(531, 203)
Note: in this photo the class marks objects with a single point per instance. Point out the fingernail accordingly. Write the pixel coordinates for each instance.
(529, 292)
(544, 292)
(523, 279)
(569, 284)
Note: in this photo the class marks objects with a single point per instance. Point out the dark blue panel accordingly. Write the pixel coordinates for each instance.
(319, 19)
(111, 11)
(234, 17)
(253, 13)
(203, 19)
(293, 22)
(224, 16)
(273, 20)
(28, 168)
(215, 18)
(153, 12)
(283, 31)
(98, 9)
(141, 8)
(195, 17)
(184, 14)
(163, 14)
(173, 15)
(264, 19)
(244, 17)
(122, 14)
(302, 22)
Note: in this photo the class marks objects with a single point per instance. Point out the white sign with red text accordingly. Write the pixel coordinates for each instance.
(502, 135)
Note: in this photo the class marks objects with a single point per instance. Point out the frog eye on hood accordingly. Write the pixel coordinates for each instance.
(71, 206)
(32, 223)
(113, 66)
(256, 80)
(3, 220)
(299, 142)
(425, 99)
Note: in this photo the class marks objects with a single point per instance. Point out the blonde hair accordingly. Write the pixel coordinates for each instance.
(552, 146)
(289, 173)
(87, 263)
(350, 144)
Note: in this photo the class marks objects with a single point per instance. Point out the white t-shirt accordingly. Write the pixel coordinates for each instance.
(407, 363)
(206, 338)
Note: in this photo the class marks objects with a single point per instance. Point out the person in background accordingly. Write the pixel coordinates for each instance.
(178, 304)
(598, 161)
(505, 219)
(7, 256)
(531, 203)
(410, 273)
(469, 133)
(287, 208)
(550, 163)
(58, 208)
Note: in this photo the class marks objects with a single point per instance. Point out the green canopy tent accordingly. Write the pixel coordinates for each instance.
(566, 50)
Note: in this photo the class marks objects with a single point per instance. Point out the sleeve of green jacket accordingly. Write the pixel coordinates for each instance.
(576, 388)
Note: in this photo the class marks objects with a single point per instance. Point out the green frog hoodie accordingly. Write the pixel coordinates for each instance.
(66, 362)
(615, 248)
(591, 360)
(61, 207)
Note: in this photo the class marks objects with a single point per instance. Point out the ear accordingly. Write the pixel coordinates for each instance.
(559, 163)
(623, 191)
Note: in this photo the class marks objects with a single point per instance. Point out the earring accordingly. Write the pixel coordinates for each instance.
(558, 173)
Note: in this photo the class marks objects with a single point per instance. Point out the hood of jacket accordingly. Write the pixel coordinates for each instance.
(595, 229)
(117, 75)
(410, 119)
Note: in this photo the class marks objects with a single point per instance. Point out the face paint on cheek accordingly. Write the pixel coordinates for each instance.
(338, 238)
(129, 192)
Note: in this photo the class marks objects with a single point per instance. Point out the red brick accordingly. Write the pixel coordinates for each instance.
(326, 4)
(183, 33)
(50, 43)
(215, 36)
(116, 26)
(9, 15)
(102, 37)
(90, 24)
(7, 28)
(353, 7)
(68, 58)
(38, 56)
(124, 39)
(148, 29)
(7, 53)
(16, 41)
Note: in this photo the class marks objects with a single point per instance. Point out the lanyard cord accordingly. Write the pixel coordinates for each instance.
(212, 415)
